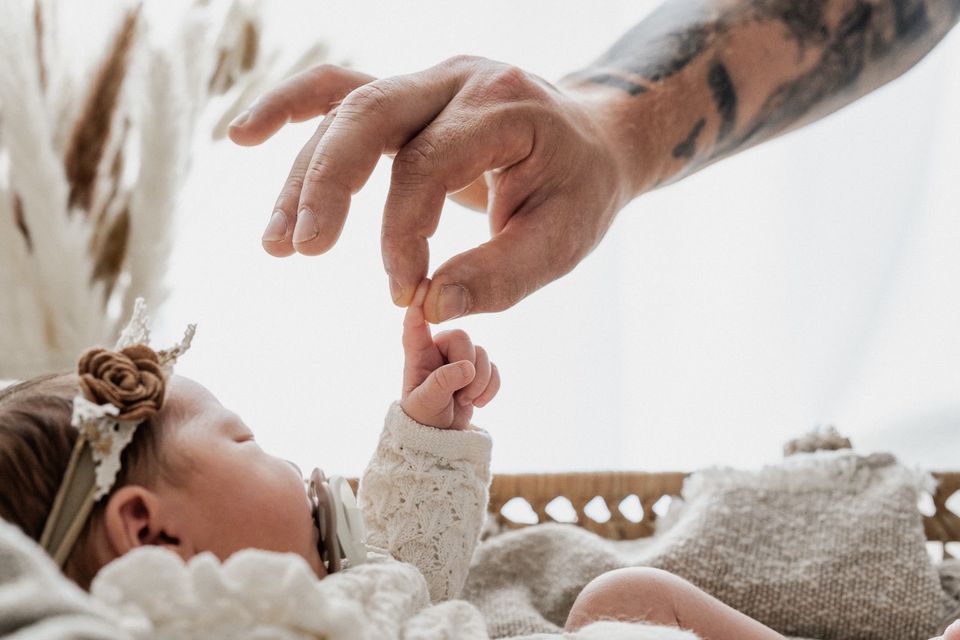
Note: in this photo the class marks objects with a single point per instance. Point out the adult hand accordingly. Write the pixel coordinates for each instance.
(543, 162)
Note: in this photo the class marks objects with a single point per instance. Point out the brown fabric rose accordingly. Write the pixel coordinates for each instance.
(131, 380)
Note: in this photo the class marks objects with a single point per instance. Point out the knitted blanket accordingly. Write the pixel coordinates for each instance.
(826, 545)
(828, 548)
(152, 594)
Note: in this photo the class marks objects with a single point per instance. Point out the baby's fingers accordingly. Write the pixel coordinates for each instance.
(437, 390)
(416, 331)
(480, 381)
(492, 388)
(455, 345)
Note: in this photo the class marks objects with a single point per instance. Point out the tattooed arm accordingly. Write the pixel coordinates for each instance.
(699, 80)
(553, 165)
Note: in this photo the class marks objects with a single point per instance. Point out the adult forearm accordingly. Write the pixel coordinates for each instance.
(702, 79)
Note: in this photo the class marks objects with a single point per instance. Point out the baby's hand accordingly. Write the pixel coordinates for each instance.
(445, 377)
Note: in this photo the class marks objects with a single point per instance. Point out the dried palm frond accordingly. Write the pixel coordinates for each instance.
(91, 164)
(92, 130)
(38, 27)
(64, 314)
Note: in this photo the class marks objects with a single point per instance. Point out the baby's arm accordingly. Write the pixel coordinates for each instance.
(424, 493)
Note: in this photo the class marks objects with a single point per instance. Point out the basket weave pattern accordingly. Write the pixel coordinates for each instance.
(580, 488)
(539, 489)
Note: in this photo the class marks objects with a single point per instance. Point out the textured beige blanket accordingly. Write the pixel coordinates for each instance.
(827, 545)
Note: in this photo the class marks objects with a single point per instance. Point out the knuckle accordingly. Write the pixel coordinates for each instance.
(415, 161)
(391, 235)
(290, 193)
(318, 73)
(316, 172)
(319, 171)
(394, 236)
(462, 60)
(365, 99)
(506, 82)
(293, 186)
(442, 376)
(459, 335)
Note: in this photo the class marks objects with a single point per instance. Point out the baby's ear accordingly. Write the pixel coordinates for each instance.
(133, 518)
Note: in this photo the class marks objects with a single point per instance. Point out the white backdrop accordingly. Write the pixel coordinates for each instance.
(812, 280)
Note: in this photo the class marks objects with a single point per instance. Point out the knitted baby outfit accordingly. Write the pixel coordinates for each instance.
(423, 495)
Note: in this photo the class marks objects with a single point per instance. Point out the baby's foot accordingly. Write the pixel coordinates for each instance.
(952, 632)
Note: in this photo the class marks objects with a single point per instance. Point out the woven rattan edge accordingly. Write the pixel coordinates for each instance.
(539, 489)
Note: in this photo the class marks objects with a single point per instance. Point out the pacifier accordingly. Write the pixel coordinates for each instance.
(338, 518)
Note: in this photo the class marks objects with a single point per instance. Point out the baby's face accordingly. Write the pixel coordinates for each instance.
(232, 495)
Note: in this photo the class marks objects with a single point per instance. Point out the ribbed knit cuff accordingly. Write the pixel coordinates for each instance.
(472, 444)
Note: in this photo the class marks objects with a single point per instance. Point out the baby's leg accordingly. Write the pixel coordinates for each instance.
(659, 597)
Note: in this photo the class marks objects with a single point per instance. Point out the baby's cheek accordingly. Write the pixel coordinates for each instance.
(296, 519)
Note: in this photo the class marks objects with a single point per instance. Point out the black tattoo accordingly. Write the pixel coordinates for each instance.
(857, 44)
(802, 18)
(724, 97)
(610, 80)
(840, 65)
(686, 47)
(910, 18)
(687, 147)
(676, 36)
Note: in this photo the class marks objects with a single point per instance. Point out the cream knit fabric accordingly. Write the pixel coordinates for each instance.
(424, 497)
(827, 545)
(423, 494)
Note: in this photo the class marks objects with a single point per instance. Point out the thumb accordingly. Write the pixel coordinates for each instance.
(438, 389)
(520, 259)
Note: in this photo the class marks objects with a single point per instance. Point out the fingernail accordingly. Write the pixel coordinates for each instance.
(464, 400)
(241, 119)
(307, 228)
(276, 228)
(396, 291)
(452, 302)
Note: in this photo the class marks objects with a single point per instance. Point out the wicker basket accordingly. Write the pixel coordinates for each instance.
(614, 486)
(540, 489)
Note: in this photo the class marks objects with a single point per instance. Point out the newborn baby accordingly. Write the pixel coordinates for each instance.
(194, 481)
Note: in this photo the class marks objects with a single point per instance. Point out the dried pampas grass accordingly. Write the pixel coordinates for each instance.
(91, 164)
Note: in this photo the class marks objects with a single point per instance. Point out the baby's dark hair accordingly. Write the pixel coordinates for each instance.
(36, 440)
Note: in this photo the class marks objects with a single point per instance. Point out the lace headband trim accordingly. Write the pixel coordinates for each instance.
(120, 390)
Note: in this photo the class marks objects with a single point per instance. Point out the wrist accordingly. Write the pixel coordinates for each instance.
(636, 127)
(421, 416)
(472, 444)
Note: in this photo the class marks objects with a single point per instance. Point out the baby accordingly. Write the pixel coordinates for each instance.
(193, 479)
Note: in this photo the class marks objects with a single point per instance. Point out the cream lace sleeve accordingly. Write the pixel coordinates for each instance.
(424, 498)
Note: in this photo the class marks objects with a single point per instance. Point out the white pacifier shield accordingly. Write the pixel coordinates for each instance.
(350, 530)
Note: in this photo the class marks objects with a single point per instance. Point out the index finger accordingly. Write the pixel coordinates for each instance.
(416, 331)
(377, 118)
(300, 97)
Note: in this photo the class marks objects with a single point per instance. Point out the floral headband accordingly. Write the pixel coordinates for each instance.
(120, 389)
